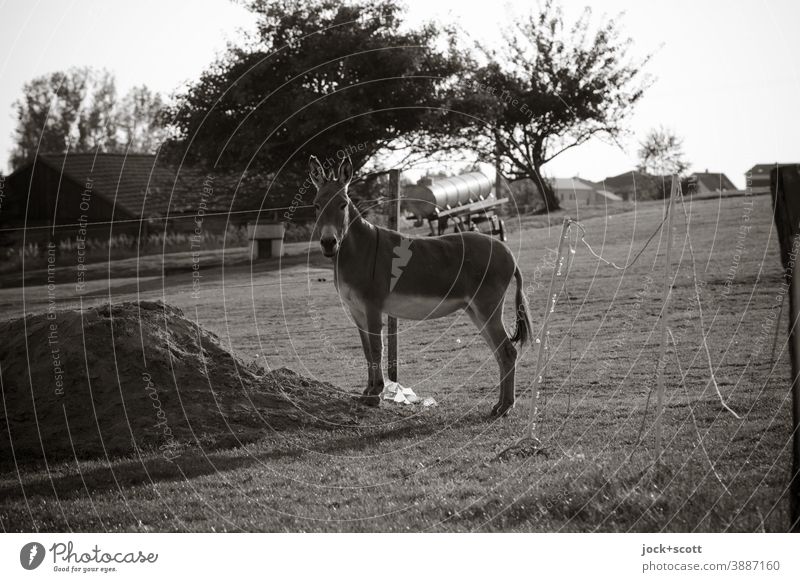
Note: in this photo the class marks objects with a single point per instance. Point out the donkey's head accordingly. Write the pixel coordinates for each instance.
(332, 203)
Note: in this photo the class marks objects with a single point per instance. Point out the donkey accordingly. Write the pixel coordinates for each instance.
(379, 271)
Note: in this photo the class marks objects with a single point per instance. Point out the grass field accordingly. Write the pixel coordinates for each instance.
(437, 469)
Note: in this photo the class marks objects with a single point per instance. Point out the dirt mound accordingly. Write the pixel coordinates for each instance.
(114, 379)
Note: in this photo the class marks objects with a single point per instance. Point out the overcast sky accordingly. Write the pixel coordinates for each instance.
(726, 72)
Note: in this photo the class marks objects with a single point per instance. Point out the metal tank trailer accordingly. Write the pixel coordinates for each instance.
(466, 200)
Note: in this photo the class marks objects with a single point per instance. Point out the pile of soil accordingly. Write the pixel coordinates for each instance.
(140, 376)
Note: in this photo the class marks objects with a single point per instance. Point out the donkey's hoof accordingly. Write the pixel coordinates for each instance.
(370, 400)
(502, 409)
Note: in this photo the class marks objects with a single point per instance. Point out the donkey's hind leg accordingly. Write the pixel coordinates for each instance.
(489, 322)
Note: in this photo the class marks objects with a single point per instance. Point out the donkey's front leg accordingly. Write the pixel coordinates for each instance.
(375, 336)
(370, 326)
(364, 334)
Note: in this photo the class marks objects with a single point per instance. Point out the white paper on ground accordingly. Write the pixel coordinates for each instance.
(395, 392)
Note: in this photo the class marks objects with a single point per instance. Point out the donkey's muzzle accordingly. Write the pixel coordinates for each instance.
(328, 245)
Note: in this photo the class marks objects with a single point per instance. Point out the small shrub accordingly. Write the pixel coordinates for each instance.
(298, 232)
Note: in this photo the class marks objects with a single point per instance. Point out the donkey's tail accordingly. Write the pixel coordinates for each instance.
(524, 329)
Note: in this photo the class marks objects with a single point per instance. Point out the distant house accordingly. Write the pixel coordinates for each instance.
(575, 191)
(569, 191)
(757, 177)
(111, 194)
(707, 182)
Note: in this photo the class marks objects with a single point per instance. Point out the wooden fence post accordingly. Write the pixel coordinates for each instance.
(794, 337)
(785, 190)
(394, 213)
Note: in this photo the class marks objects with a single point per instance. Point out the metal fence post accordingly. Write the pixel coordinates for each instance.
(660, 388)
(542, 337)
(394, 213)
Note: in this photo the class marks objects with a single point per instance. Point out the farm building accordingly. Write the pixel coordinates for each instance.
(113, 194)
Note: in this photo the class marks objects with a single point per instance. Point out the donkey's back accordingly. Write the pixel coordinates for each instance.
(445, 274)
(450, 265)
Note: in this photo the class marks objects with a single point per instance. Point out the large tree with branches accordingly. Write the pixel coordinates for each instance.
(320, 77)
(551, 86)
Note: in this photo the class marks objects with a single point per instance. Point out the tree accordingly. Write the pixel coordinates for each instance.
(322, 77)
(661, 153)
(78, 111)
(141, 120)
(551, 87)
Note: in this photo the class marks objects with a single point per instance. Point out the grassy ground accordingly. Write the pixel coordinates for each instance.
(439, 469)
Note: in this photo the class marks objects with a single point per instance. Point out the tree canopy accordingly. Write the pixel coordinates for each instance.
(321, 77)
(661, 152)
(551, 86)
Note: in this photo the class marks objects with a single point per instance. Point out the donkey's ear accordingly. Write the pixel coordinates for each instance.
(346, 170)
(315, 171)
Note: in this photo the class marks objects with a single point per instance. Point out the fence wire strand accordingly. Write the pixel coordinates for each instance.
(712, 375)
(700, 439)
(598, 256)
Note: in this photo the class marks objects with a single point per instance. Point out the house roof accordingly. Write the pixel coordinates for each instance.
(629, 179)
(713, 180)
(143, 185)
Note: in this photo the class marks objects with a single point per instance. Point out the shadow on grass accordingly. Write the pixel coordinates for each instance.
(100, 475)
(127, 472)
(387, 428)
